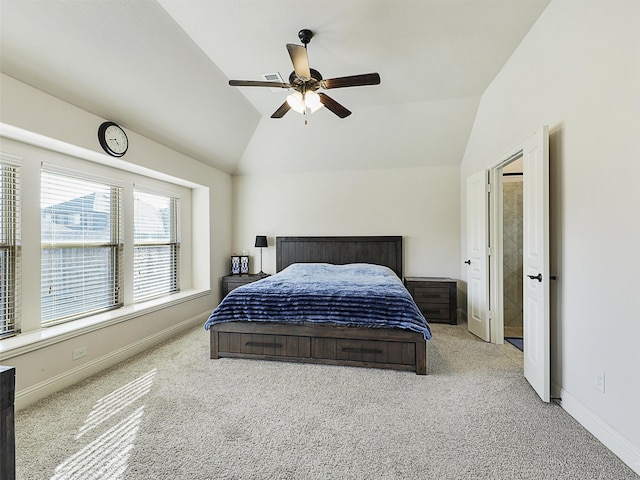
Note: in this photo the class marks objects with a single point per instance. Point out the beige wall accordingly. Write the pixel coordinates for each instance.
(578, 71)
(43, 371)
(421, 204)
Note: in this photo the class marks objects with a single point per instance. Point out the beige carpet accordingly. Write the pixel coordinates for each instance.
(171, 413)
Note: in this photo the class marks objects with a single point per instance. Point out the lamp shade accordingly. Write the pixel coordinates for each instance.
(296, 101)
(312, 101)
(261, 241)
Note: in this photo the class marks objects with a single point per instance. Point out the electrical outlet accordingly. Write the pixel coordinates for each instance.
(599, 381)
(78, 353)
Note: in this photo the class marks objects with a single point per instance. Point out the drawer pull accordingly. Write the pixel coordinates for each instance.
(361, 350)
(263, 344)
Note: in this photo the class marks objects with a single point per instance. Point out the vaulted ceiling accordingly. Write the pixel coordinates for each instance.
(161, 68)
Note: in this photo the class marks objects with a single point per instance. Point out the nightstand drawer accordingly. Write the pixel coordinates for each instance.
(434, 312)
(234, 285)
(436, 297)
(231, 282)
(431, 294)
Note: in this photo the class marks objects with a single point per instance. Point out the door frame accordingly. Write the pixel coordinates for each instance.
(496, 229)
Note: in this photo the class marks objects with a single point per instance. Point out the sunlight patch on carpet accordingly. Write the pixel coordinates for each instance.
(106, 458)
(116, 401)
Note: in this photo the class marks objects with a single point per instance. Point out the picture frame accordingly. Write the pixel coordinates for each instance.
(244, 265)
(235, 265)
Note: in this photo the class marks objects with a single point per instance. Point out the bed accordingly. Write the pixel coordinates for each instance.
(243, 326)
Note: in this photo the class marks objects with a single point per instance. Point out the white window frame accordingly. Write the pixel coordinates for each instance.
(10, 281)
(115, 242)
(33, 149)
(174, 242)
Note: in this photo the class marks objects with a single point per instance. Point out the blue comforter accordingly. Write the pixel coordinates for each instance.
(357, 294)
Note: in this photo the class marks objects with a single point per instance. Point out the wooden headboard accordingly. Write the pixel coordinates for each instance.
(385, 251)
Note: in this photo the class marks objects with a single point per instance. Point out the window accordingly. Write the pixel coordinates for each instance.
(9, 248)
(156, 248)
(86, 244)
(81, 256)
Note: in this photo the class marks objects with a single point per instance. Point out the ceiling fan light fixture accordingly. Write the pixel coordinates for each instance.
(296, 102)
(311, 100)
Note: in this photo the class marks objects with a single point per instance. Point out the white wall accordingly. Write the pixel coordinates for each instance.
(421, 204)
(578, 71)
(45, 370)
(370, 137)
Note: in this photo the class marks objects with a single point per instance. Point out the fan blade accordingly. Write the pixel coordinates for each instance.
(334, 106)
(300, 60)
(257, 83)
(279, 113)
(352, 81)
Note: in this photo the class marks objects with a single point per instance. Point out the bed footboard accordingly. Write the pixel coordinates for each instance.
(331, 345)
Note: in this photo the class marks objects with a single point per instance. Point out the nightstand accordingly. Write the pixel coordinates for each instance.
(234, 281)
(436, 297)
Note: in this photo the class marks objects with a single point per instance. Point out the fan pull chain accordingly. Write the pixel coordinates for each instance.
(304, 101)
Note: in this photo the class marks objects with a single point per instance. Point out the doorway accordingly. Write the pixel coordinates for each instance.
(534, 152)
(486, 296)
(512, 260)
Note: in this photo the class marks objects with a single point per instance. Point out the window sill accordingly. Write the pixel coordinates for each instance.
(43, 337)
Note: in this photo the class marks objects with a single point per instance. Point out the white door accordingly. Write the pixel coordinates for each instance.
(536, 308)
(477, 264)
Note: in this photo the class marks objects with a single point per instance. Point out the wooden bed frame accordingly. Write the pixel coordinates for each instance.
(334, 345)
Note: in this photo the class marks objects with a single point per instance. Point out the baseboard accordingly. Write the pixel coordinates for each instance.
(611, 439)
(41, 390)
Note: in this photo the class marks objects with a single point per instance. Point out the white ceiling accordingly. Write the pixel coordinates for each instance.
(161, 69)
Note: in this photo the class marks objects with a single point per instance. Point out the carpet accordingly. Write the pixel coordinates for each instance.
(172, 413)
(516, 342)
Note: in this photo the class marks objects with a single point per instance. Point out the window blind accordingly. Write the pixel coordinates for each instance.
(156, 248)
(81, 244)
(10, 250)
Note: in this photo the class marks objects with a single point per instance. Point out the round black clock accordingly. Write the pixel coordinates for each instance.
(113, 139)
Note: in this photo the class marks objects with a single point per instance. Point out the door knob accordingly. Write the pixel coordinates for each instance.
(536, 277)
(468, 262)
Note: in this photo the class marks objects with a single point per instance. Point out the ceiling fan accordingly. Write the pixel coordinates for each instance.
(306, 82)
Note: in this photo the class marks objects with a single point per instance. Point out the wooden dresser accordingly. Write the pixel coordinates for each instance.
(234, 281)
(7, 423)
(436, 297)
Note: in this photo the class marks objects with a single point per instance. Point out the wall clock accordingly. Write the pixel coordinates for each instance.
(113, 139)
